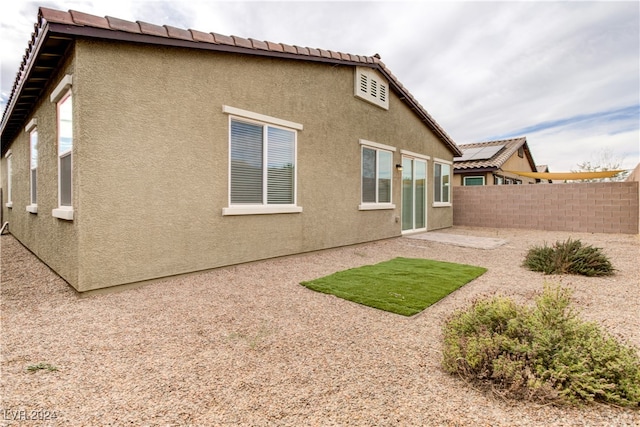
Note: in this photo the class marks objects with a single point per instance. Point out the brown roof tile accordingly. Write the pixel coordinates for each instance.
(289, 49)
(152, 30)
(200, 36)
(89, 20)
(178, 33)
(257, 44)
(242, 42)
(313, 51)
(302, 50)
(325, 53)
(276, 47)
(122, 25)
(335, 55)
(222, 39)
(57, 16)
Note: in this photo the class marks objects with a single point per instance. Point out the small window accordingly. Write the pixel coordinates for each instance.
(498, 180)
(473, 180)
(521, 152)
(377, 176)
(65, 146)
(33, 145)
(32, 129)
(262, 165)
(371, 87)
(9, 158)
(62, 96)
(442, 184)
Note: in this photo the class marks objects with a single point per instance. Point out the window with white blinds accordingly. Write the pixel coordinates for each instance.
(63, 98)
(377, 176)
(263, 161)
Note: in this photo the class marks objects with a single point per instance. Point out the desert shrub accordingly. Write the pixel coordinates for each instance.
(570, 257)
(543, 353)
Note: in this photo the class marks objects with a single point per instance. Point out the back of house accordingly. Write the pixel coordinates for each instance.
(132, 151)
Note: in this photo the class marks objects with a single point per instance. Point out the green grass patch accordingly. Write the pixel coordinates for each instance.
(402, 285)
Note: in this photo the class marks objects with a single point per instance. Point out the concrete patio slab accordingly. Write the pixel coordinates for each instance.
(460, 240)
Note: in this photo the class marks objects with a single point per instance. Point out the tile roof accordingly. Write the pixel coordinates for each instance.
(496, 161)
(73, 24)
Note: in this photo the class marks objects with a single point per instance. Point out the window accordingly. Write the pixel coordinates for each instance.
(9, 158)
(65, 145)
(33, 165)
(371, 87)
(62, 96)
(473, 180)
(262, 165)
(521, 152)
(377, 171)
(441, 182)
(498, 180)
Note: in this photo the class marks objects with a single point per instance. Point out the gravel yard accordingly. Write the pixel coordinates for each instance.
(247, 345)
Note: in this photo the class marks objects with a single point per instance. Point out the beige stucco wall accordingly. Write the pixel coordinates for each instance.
(53, 240)
(151, 160)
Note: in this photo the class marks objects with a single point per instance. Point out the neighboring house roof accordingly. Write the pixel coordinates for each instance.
(56, 30)
(542, 168)
(490, 155)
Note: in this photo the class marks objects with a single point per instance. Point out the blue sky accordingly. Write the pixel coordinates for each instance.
(564, 74)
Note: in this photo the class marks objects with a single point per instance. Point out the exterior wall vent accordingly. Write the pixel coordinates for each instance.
(371, 87)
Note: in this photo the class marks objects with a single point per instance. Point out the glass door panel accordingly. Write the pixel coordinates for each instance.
(407, 194)
(414, 187)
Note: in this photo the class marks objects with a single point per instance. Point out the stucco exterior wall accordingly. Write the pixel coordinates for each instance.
(53, 240)
(152, 160)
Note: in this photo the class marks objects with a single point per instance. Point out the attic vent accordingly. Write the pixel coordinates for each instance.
(371, 87)
(364, 83)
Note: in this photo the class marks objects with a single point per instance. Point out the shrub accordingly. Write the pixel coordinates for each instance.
(543, 353)
(570, 257)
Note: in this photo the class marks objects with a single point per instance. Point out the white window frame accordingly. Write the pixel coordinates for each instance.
(437, 161)
(9, 159)
(61, 93)
(265, 121)
(464, 180)
(367, 206)
(32, 129)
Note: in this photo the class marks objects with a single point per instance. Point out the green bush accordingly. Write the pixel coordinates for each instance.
(543, 353)
(570, 257)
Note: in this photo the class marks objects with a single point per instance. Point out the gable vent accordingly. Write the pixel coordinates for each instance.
(371, 87)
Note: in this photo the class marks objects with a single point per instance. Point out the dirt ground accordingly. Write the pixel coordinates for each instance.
(248, 345)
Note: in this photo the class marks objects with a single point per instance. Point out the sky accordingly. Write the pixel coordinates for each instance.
(566, 75)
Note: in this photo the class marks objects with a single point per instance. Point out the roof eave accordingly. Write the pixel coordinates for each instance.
(18, 89)
(59, 26)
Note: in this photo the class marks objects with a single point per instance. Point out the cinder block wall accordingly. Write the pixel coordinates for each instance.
(604, 207)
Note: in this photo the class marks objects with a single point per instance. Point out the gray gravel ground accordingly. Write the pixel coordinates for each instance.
(247, 345)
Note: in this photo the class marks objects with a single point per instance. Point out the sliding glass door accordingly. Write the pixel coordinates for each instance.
(414, 194)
